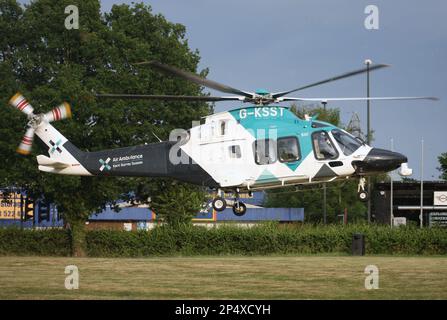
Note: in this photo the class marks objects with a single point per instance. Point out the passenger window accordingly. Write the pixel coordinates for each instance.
(235, 152)
(288, 149)
(323, 147)
(265, 151)
(223, 126)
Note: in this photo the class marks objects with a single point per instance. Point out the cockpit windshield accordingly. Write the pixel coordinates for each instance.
(348, 143)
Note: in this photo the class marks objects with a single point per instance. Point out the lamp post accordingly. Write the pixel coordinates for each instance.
(368, 63)
(324, 204)
(421, 215)
(391, 190)
(324, 185)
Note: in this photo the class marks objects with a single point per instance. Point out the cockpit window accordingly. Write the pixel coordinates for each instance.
(323, 146)
(316, 124)
(348, 144)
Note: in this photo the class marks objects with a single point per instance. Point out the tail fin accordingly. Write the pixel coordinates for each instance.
(64, 157)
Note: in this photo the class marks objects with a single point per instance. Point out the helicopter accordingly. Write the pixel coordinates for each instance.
(258, 147)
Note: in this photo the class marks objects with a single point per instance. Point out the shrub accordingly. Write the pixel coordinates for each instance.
(264, 239)
(50, 242)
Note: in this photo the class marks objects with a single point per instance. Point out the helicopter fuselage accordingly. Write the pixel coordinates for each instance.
(253, 148)
(262, 147)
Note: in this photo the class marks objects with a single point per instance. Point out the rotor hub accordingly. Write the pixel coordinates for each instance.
(35, 120)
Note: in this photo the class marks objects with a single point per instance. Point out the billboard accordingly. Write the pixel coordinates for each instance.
(438, 219)
(10, 206)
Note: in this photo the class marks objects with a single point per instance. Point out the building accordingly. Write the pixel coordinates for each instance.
(128, 219)
(16, 209)
(142, 218)
(407, 202)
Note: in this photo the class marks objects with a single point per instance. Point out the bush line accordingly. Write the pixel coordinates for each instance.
(264, 239)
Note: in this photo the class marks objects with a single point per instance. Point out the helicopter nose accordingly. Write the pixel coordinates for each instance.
(379, 161)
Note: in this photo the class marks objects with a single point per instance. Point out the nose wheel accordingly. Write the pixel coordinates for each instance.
(362, 193)
(239, 208)
(363, 196)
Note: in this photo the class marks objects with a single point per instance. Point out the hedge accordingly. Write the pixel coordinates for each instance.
(48, 242)
(264, 239)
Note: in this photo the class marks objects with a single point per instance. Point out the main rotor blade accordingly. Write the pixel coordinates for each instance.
(342, 76)
(195, 78)
(356, 99)
(167, 97)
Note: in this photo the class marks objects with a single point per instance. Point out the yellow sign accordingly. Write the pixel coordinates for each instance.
(10, 206)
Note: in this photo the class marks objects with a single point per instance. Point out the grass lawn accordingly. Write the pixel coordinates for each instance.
(232, 277)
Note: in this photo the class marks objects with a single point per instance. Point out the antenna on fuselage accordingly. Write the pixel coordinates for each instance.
(159, 140)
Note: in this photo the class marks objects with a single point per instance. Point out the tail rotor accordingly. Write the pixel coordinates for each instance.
(18, 101)
(59, 113)
(27, 142)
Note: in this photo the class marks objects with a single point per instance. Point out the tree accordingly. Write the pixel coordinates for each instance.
(443, 168)
(178, 203)
(340, 195)
(50, 64)
(330, 115)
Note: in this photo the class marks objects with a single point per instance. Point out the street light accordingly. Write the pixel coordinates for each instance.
(391, 190)
(421, 214)
(368, 63)
(324, 185)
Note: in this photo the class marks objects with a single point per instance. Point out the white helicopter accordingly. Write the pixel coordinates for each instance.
(261, 146)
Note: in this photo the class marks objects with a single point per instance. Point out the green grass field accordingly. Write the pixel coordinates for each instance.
(272, 277)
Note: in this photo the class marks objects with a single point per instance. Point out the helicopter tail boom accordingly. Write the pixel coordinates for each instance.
(149, 160)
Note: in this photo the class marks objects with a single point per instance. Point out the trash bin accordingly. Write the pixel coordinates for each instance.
(358, 244)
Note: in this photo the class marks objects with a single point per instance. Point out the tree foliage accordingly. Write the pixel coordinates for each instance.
(330, 115)
(443, 165)
(178, 203)
(49, 64)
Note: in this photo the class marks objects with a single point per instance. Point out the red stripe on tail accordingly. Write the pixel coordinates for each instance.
(22, 104)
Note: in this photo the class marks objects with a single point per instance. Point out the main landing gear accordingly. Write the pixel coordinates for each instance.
(239, 208)
(362, 193)
(220, 204)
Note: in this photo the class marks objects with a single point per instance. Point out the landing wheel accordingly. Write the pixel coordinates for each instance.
(219, 204)
(363, 196)
(239, 208)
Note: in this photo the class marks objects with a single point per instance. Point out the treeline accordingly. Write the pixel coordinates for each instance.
(265, 239)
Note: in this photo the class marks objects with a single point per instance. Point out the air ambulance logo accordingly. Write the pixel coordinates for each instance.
(105, 165)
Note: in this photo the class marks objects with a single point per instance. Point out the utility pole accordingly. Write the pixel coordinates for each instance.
(324, 185)
(368, 63)
(391, 191)
(421, 216)
(324, 203)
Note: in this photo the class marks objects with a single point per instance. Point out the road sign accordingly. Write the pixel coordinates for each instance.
(440, 198)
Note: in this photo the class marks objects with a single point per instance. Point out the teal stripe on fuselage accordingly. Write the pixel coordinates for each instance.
(272, 122)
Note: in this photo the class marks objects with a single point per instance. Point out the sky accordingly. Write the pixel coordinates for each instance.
(283, 44)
